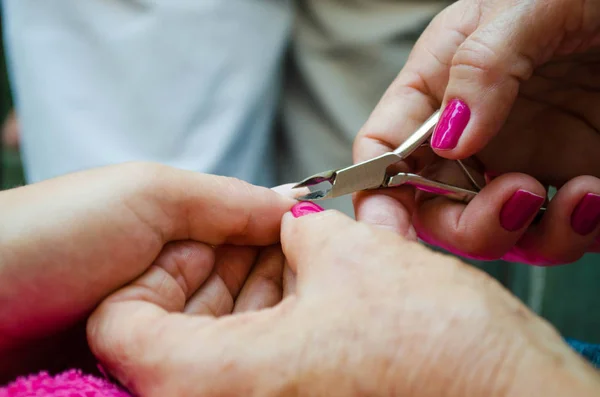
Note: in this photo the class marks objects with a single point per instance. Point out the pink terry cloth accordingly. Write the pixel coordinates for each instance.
(72, 383)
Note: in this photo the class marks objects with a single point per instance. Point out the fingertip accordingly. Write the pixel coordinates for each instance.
(289, 191)
(304, 238)
(307, 221)
(518, 211)
(585, 218)
(482, 89)
(489, 225)
(305, 208)
(288, 222)
(460, 133)
(520, 197)
(389, 211)
(569, 226)
(448, 132)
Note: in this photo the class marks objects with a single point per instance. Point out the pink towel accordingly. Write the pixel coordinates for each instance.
(72, 383)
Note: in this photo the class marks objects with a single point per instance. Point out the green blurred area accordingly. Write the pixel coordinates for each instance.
(568, 296)
(12, 172)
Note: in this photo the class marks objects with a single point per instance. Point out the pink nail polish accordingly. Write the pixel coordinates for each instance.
(520, 209)
(452, 123)
(586, 216)
(305, 208)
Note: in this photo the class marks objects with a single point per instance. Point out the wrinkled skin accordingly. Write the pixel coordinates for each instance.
(372, 314)
(192, 278)
(529, 71)
(67, 243)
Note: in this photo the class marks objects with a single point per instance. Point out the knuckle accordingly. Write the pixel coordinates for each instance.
(112, 344)
(491, 62)
(581, 16)
(147, 172)
(177, 257)
(476, 55)
(234, 187)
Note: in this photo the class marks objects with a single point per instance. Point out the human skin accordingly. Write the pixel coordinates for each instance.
(364, 312)
(518, 82)
(67, 243)
(372, 314)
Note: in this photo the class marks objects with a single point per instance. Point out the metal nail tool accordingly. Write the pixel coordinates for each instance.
(373, 174)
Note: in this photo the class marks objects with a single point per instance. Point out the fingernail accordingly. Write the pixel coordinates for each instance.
(586, 216)
(519, 209)
(305, 208)
(452, 123)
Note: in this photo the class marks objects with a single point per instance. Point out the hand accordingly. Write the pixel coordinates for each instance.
(519, 81)
(68, 243)
(372, 314)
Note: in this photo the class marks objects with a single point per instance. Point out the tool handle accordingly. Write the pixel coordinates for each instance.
(418, 138)
(452, 192)
(427, 185)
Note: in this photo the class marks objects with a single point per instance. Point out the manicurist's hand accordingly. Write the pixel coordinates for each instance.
(518, 82)
(67, 243)
(371, 314)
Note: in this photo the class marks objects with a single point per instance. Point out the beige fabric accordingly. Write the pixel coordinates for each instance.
(345, 54)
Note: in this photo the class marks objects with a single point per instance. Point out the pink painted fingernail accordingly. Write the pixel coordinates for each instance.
(452, 123)
(519, 210)
(305, 208)
(586, 216)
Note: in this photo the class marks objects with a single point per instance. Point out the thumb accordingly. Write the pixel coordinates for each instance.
(487, 70)
(324, 247)
(308, 241)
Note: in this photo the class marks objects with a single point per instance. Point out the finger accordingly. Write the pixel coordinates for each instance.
(288, 190)
(328, 248)
(124, 337)
(302, 248)
(289, 281)
(389, 209)
(489, 225)
(233, 264)
(419, 88)
(487, 69)
(177, 272)
(216, 297)
(410, 100)
(123, 330)
(569, 227)
(219, 210)
(212, 299)
(145, 347)
(264, 287)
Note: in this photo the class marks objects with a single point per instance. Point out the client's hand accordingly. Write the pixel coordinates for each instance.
(67, 243)
(372, 315)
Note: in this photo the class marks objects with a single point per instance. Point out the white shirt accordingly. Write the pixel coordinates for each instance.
(190, 83)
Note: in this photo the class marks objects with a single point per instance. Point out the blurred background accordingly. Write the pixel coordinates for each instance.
(330, 77)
